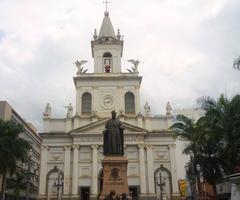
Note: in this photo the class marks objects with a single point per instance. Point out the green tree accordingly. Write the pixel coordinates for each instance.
(17, 183)
(203, 148)
(12, 149)
(222, 121)
(191, 131)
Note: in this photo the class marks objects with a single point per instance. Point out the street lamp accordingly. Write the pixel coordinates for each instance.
(194, 169)
(198, 168)
(59, 184)
(161, 183)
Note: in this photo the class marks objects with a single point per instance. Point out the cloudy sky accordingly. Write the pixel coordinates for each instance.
(187, 48)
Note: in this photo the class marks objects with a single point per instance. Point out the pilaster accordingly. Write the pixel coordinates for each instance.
(76, 121)
(150, 169)
(142, 169)
(75, 170)
(94, 171)
(43, 170)
(67, 156)
(148, 123)
(140, 120)
(173, 168)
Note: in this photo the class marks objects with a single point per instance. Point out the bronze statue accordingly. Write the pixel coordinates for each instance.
(113, 137)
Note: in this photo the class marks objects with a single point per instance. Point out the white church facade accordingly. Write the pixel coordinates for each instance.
(73, 145)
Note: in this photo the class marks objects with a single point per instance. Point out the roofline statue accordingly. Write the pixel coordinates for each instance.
(79, 64)
(134, 68)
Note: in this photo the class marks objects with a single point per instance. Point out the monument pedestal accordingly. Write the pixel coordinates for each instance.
(114, 176)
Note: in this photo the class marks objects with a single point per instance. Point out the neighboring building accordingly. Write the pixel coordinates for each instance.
(234, 179)
(29, 134)
(73, 145)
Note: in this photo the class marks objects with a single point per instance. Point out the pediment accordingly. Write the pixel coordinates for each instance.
(99, 126)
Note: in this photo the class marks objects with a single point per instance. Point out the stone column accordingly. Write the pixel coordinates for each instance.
(94, 171)
(173, 167)
(67, 156)
(142, 169)
(75, 170)
(43, 170)
(150, 169)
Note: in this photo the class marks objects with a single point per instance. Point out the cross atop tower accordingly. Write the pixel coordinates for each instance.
(106, 2)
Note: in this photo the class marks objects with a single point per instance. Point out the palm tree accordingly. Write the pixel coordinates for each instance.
(203, 148)
(192, 132)
(223, 120)
(210, 160)
(189, 130)
(12, 149)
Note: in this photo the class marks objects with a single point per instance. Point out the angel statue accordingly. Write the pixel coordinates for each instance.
(79, 64)
(134, 68)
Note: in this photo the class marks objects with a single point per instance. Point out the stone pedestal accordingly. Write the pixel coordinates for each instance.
(114, 176)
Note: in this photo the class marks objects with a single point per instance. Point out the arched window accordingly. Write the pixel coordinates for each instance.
(129, 103)
(86, 103)
(107, 62)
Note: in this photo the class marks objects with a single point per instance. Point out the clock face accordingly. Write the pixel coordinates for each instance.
(108, 102)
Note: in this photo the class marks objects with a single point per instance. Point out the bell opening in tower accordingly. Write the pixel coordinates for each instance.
(107, 62)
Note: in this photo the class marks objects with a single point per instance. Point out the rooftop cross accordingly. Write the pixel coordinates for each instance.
(106, 2)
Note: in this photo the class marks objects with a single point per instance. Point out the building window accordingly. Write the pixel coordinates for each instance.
(86, 103)
(107, 62)
(129, 103)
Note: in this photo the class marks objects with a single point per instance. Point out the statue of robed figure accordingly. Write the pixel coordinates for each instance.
(113, 137)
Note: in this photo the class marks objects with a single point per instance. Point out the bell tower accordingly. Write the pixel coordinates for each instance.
(107, 48)
(107, 88)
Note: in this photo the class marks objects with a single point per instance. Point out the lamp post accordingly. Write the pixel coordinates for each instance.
(160, 183)
(198, 168)
(59, 184)
(28, 174)
(194, 169)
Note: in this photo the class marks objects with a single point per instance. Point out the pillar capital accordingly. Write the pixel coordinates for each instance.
(67, 147)
(149, 146)
(45, 148)
(94, 146)
(141, 146)
(75, 146)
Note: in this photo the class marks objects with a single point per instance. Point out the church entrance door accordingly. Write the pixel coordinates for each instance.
(84, 191)
(134, 192)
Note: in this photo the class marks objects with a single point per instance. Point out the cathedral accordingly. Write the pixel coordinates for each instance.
(72, 147)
